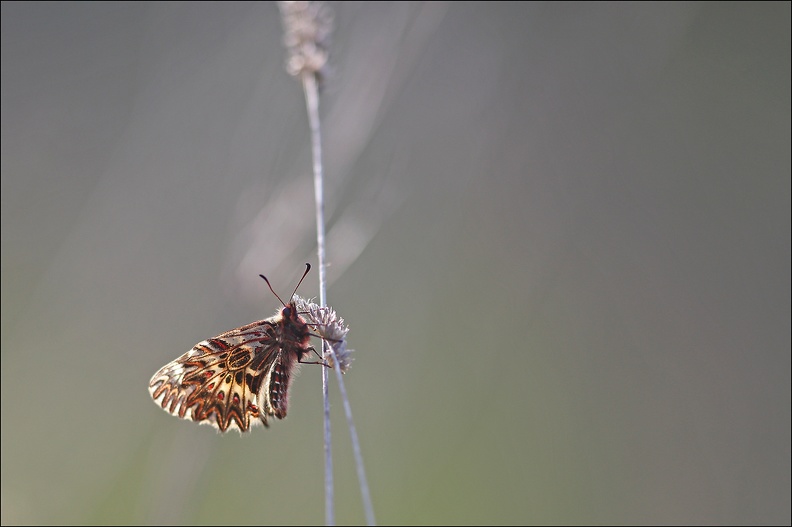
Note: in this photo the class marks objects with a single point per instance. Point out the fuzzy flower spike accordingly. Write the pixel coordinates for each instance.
(330, 327)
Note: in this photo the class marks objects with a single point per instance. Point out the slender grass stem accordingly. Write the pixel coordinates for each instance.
(312, 103)
(307, 28)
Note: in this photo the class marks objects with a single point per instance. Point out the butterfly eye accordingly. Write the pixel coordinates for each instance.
(286, 312)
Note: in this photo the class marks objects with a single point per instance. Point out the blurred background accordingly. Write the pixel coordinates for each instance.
(559, 232)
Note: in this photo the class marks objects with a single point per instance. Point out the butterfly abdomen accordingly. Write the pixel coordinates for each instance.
(279, 388)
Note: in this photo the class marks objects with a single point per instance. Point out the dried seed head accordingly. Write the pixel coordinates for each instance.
(306, 35)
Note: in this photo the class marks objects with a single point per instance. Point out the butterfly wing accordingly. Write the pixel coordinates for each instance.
(220, 380)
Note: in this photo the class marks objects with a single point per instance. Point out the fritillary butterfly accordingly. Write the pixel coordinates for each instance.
(238, 378)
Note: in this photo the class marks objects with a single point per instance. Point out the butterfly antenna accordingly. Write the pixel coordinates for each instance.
(271, 289)
(307, 268)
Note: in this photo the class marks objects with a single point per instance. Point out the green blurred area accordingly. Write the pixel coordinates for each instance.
(559, 232)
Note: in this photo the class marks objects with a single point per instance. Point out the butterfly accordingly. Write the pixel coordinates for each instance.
(241, 377)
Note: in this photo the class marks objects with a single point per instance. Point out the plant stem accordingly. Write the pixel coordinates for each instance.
(312, 103)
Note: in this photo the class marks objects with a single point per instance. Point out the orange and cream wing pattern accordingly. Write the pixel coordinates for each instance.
(225, 381)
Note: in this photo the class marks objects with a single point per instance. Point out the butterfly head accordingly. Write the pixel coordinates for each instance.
(289, 316)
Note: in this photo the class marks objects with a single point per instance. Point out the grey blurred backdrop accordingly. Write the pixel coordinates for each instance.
(560, 234)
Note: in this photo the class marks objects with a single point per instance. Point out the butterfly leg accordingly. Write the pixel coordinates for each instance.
(320, 361)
